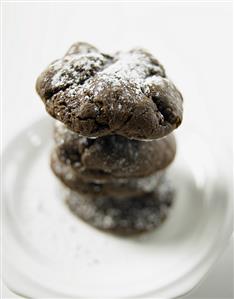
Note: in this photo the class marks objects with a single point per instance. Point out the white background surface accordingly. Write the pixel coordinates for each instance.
(193, 41)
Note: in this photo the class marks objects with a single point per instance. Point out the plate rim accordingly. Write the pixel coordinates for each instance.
(187, 287)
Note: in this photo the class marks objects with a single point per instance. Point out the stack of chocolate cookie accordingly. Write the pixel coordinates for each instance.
(113, 140)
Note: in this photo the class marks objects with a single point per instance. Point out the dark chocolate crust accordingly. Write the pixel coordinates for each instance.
(112, 156)
(124, 216)
(96, 94)
(117, 188)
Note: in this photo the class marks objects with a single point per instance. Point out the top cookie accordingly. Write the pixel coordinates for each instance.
(95, 94)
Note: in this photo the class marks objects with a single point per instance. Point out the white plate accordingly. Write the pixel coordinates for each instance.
(50, 253)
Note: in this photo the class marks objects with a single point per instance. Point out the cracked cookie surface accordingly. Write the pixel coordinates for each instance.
(113, 156)
(96, 94)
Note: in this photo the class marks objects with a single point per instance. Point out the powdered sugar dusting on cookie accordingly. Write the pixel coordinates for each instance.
(126, 73)
(127, 215)
(96, 94)
(128, 70)
(75, 68)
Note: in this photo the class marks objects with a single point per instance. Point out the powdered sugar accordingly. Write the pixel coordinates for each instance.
(94, 73)
(73, 69)
(127, 215)
(96, 94)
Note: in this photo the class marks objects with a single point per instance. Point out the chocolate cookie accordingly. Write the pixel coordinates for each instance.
(126, 215)
(96, 94)
(112, 156)
(117, 188)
